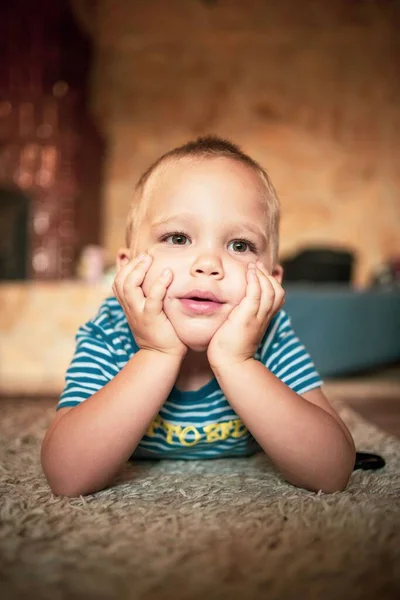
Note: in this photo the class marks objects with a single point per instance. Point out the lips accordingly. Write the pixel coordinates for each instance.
(200, 302)
(202, 295)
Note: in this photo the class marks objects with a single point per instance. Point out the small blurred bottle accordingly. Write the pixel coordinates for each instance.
(387, 275)
(91, 264)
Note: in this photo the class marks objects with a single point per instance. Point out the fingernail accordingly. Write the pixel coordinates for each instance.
(251, 265)
(165, 272)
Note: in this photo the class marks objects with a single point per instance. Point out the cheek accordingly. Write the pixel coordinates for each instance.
(238, 285)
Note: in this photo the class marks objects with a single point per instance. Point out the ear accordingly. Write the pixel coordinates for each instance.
(277, 272)
(122, 258)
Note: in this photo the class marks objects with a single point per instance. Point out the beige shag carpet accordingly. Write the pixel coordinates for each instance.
(180, 530)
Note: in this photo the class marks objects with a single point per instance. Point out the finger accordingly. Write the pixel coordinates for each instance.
(120, 277)
(279, 294)
(139, 268)
(154, 301)
(250, 304)
(268, 292)
(124, 270)
(131, 287)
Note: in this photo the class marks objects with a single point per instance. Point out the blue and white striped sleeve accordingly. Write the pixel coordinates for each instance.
(92, 366)
(289, 360)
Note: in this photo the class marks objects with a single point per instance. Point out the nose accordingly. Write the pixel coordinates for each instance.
(207, 264)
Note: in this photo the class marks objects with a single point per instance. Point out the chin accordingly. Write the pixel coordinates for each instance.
(195, 343)
(197, 340)
(196, 347)
(196, 334)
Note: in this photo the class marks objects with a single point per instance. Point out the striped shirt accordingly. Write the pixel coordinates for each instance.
(190, 425)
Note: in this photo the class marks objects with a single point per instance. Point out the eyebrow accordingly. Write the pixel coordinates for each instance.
(188, 218)
(230, 227)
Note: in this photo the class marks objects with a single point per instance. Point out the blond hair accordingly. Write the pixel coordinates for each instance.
(209, 147)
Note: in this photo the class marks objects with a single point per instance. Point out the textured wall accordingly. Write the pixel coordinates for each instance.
(310, 89)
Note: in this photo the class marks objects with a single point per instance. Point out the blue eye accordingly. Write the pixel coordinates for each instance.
(177, 239)
(240, 246)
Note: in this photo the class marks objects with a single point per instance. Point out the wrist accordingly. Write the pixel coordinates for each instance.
(226, 366)
(164, 355)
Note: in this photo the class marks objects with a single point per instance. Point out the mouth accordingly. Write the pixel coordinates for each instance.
(201, 302)
(202, 295)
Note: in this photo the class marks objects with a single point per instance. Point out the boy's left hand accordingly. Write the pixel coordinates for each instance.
(240, 335)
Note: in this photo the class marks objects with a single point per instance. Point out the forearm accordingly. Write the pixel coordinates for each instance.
(92, 441)
(304, 441)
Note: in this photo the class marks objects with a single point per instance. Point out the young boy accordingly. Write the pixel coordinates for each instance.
(194, 358)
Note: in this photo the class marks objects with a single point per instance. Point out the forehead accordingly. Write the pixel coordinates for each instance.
(212, 187)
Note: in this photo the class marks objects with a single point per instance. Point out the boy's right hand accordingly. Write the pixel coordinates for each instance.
(150, 325)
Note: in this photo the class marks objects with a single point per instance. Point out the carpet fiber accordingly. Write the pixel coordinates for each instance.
(230, 528)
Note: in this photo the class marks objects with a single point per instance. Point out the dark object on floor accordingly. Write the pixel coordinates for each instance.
(319, 265)
(367, 461)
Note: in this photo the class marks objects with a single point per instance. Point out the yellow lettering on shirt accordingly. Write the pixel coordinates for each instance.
(197, 436)
(238, 433)
(212, 432)
(170, 428)
(225, 428)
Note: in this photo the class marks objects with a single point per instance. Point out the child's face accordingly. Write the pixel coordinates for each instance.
(205, 221)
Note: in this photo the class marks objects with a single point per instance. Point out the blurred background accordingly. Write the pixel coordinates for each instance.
(93, 91)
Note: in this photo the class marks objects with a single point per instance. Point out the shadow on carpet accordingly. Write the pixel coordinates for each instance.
(227, 528)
